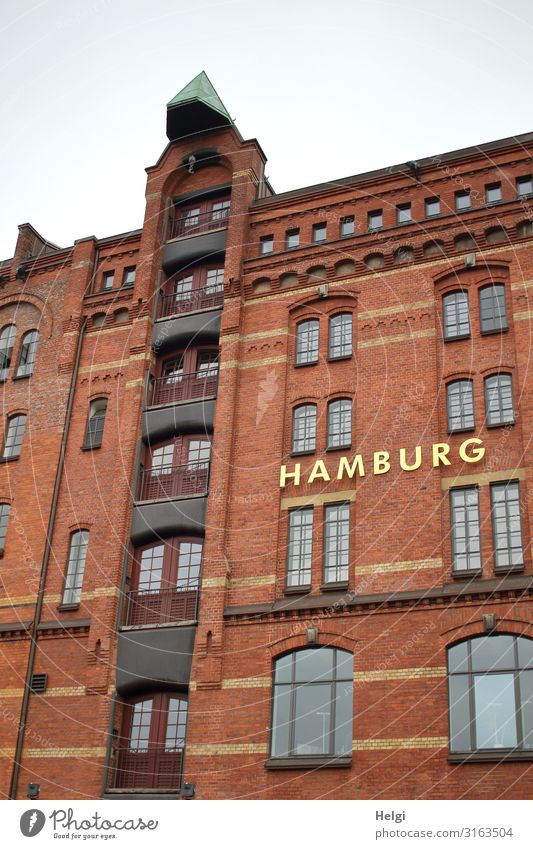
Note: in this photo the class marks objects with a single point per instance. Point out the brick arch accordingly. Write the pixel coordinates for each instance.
(45, 320)
(470, 629)
(179, 181)
(326, 639)
(489, 271)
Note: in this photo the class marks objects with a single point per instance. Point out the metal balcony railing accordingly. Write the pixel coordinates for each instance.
(153, 768)
(183, 226)
(184, 387)
(201, 298)
(174, 481)
(174, 604)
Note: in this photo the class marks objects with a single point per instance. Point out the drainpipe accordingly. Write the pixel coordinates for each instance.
(44, 571)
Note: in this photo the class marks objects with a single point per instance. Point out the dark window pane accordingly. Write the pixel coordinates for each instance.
(336, 543)
(7, 343)
(456, 315)
(281, 720)
(340, 336)
(319, 232)
(525, 652)
(459, 713)
(524, 185)
(526, 700)
(347, 225)
(403, 213)
(14, 436)
(492, 308)
(314, 665)
(495, 710)
(432, 207)
(267, 244)
(293, 238)
(307, 342)
(506, 524)
(312, 719)
(375, 219)
(300, 547)
(343, 718)
(492, 653)
(499, 399)
(460, 405)
(466, 540)
(340, 423)
(458, 657)
(75, 567)
(4, 517)
(108, 280)
(28, 353)
(493, 192)
(462, 200)
(304, 428)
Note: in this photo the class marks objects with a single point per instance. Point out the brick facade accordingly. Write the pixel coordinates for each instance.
(403, 604)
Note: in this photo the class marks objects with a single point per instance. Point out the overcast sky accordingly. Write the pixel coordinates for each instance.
(329, 88)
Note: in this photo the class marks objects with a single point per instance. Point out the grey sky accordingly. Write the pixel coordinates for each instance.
(329, 88)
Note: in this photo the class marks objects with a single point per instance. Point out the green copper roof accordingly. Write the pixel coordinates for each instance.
(200, 89)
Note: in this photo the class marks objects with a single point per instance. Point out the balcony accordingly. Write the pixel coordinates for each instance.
(174, 481)
(183, 387)
(149, 607)
(184, 226)
(202, 298)
(154, 768)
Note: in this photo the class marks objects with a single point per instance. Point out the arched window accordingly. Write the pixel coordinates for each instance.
(492, 309)
(177, 467)
(340, 423)
(77, 555)
(7, 342)
(4, 518)
(490, 685)
(340, 336)
(304, 428)
(460, 405)
(152, 742)
(95, 423)
(28, 353)
(312, 704)
(14, 436)
(165, 582)
(499, 399)
(307, 338)
(456, 315)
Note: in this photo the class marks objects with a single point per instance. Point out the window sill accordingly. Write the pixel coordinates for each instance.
(302, 589)
(334, 586)
(303, 453)
(501, 424)
(22, 376)
(495, 332)
(303, 365)
(90, 447)
(461, 574)
(63, 608)
(346, 447)
(340, 359)
(509, 570)
(9, 459)
(456, 338)
(461, 430)
(495, 755)
(311, 762)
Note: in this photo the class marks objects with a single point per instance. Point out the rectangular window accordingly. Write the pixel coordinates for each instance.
(214, 281)
(432, 206)
(266, 244)
(506, 525)
(493, 192)
(307, 339)
(499, 399)
(403, 213)
(340, 336)
(524, 185)
(128, 278)
(4, 516)
(292, 238)
(462, 200)
(220, 210)
(320, 232)
(466, 538)
(456, 315)
(336, 543)
(375, 219)
(75, 567)
(460, 405)
(108, 280)
(16, 426)
(300, 547)
(492, 308)
(347, 225)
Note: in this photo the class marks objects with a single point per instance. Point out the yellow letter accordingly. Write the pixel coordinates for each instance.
(440, 454)
(284, 474)
(477, 453)
(350, 470)
(417, 463)
(381, 462)
(319, 471)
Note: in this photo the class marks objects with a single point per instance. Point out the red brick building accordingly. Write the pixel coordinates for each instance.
(265, 496)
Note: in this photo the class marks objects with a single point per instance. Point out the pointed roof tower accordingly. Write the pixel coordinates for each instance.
(196, 108)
